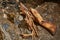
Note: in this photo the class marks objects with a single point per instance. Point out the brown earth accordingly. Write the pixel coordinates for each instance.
(50, 11)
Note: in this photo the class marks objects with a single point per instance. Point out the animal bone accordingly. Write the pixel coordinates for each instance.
(29, 20)
(48, 25)
(38, 18)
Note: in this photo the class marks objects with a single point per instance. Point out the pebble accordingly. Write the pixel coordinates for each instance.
(4, 4)
(4, 16)
(20, 18)
(5, 26)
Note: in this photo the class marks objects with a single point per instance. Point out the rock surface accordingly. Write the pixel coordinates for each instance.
(50, 11)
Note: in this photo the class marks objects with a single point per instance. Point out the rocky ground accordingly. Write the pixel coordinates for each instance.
(50, 11)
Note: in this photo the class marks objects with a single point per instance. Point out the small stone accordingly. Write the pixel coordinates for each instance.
(4, 4)
(4, 16)
(20, 18)
(5, 26)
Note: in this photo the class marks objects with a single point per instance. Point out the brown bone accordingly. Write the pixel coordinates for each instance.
(51, 27)
(29, 20)
(38, 18)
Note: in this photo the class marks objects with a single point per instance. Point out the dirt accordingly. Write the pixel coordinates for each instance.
(50, 11)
